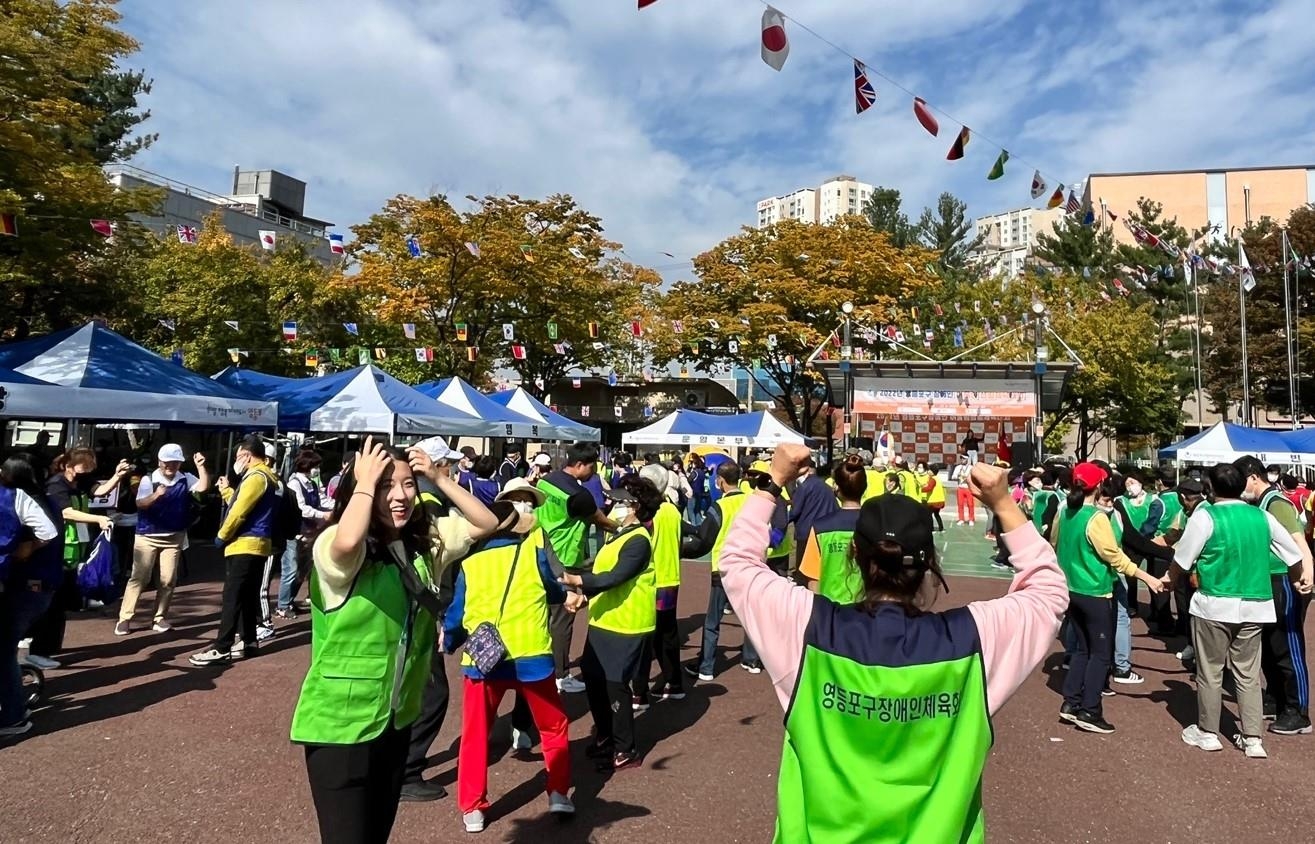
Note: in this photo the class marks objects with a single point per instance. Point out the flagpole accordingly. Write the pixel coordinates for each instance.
(1200, 388)
(1287, 333)
(1242, 310)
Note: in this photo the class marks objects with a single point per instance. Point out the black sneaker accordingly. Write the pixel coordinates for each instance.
(693, 670)
(1291, 723)
(1067, 712)
(1128, 677)
(620, 762)
(1107, 692)
(1092, 723)
(598, 750)
(422, 791)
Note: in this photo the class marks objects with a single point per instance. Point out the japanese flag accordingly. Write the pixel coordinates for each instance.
(268, 239)
(776, 46)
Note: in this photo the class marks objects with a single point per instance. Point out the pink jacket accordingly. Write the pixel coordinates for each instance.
(1016, 631)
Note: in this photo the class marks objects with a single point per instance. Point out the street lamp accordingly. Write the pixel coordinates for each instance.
(1039, 371)
(846, 366)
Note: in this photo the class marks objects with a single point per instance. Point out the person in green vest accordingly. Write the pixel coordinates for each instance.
(373, 605)
(621, 592)
(1045, 501)
(1092, 558)
(886, 697)
(1283, 641)
(710, 538)
(1222, 546)
(566, 515)
(508, 583)
(1166, 492)
(828, 561)
(664, 644)
(1144, 512)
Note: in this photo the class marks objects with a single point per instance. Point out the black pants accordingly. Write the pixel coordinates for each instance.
(609, 702)
(561, 626)
(241, 607)
(665, 645)
(1283, 649)
(1134, 587)
(48, 631)
(1161, 618)
(433, 709)
(936, 515)
(1092, 620)
(356, 787)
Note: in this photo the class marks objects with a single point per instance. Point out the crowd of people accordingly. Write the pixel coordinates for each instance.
(409, 557)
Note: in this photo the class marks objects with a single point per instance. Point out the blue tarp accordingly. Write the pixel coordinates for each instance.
(1302, 441)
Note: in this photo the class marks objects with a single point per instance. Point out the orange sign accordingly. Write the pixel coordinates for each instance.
(945, 403)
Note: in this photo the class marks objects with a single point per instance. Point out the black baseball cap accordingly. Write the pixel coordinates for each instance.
(898, 519)
(1250, 465)
(1191, 486)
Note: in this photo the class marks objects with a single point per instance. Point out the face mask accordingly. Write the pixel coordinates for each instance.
(315, 473)
(466, 464)
(523, 507)
(620, 514)
(1134, 490)
(239, 466)
(1273, 478)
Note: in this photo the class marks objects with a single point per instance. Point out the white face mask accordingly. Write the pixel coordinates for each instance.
(620, 514)
(239, 466)
(523, 507)
(1134, 490)
(1273, 478)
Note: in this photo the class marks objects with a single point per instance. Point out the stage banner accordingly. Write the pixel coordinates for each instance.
(969, 404)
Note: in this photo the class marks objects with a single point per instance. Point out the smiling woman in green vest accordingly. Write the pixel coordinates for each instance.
(622, 596)
(888, 705)
(372, 635)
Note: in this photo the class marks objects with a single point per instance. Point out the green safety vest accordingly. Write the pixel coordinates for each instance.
(523, 625)
(630, 607)
(730, 505)
(888, 730)
(840, 579)
(1137, 513)
(666, 545)
(876, 484)
(75, 552)
(1276, 564)
(369, 659)
(1229, 566)
(1173, 508)
(1040, 501)
(1087, 573)
(909, 485)
(567, 534)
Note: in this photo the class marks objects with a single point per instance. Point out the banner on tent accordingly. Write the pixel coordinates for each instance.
(943, 403)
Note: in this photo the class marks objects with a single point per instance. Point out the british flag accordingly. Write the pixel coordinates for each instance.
(865, 96)
(187, 234)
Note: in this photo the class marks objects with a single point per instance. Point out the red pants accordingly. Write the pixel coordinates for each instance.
(479, 709)
(963, 496)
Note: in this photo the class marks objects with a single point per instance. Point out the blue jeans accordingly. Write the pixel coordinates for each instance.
(19, 609)
(717, 602)
(1122, 628)
(289, 581)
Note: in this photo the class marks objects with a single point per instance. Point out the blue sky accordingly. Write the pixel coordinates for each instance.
(667, 124)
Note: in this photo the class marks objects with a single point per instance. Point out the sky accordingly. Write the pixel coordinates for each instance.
(666, 123)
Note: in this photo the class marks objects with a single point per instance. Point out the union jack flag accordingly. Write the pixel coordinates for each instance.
(865, 96)
(187, 234)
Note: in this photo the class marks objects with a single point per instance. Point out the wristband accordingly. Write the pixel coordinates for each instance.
(363, 492)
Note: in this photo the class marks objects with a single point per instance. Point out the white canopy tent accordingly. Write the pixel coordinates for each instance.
(690, 428)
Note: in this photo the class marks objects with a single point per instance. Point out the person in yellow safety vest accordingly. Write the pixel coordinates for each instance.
(876, 473)
(621, 592)
(931, 492)
(665, 643)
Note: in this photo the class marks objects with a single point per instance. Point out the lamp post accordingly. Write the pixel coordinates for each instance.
(846, 366)
(1038, 371)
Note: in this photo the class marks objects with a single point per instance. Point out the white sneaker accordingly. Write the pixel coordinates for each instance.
(162, 627)
(1197, 737)
(972, 524)
(44, 663)
(560, 804)
(123, 628)
(1251, 746)
(93, 604)
(569, 686)
(264, 631)
(24, 644)
(520, 741)
(960, 523)
(474, 821)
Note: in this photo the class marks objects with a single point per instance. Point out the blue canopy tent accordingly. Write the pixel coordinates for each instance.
(557, 427)
(690, 427)
(364, 400)
(457, 397)
(1301, 441)
(112, 379)
(1225, 442)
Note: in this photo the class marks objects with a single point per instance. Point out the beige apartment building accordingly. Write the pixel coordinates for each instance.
(1008, 238)
(1200, 198)
(834, 198)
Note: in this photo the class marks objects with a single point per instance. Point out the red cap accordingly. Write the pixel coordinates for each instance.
(1089, 475)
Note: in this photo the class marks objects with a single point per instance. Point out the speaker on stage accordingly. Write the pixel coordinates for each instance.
(861, 443)
(1024, 455)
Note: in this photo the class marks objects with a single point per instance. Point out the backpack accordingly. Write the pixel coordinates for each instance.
(287, 518)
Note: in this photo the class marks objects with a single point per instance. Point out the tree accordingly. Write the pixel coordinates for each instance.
(54, 273)
(883, 212)
(113, 96)
(765, 299)
(1087, 251)
(946, 230)
(539, 266)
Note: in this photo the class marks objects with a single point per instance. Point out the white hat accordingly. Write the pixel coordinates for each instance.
(522, 485)
(543, 459)
(656, 474)
(171, 453)
(438, 449)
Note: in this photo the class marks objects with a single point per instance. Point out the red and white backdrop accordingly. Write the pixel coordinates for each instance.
(929, 425)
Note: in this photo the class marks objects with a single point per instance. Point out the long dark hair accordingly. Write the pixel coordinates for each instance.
(414, 534)
(18, 473)
(648, 499)
(890, 575)
(1077, 495)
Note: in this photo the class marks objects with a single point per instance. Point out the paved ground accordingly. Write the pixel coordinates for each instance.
(136, 745)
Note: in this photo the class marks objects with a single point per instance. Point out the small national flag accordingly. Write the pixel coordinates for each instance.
(771, 341)
(559, 348)
(336, 245)
(1038, 185)
(312, 359)
(977, 306)
(1089, 219)
(508, 331)
(575, 382)
(8, 225)
(527, 253)
(234, 355)
(684, 371)
(232, 323)
(611, 379)
(990, 332)
(177, 356)
(714, 325)
(648, 411)
(362, 357)
(472, 353)
(593, 330)
(104, 228)
(424, 355)
(998, 169)
(678, 326)
(169, 324)
(518, 352)
(268, 240)
(584, 412)
(1119, 286)
(1056, 198)
(1073, 205)
(733, 347)
(186, 234)
(776, 45)
(350, 328)
(380, 353)
(865, 96)
(552, 331)
(636, 328)
(1244, 265)
(958, 337)
(925, 117)
(463, 333)
(335, 354)
(409, 330)
(960, 144)
(413, 246)
(289, 331)
(617, 410)
(472, 247)
(1113, 217)
(598, 345)
(1086, 272)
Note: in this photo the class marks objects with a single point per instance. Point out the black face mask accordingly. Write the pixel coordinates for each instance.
(85, 482)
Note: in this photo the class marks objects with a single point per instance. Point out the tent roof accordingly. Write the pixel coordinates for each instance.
(1225, 442)
(458, 397)
(364, 400)
(689, 427)
(129, 383)
(562, 427)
